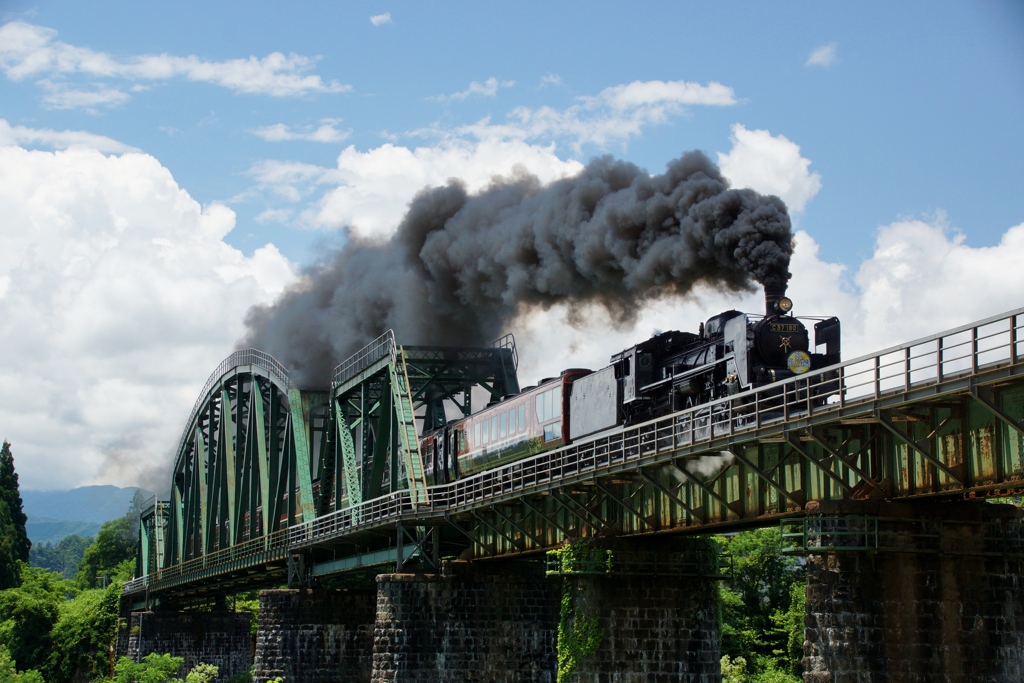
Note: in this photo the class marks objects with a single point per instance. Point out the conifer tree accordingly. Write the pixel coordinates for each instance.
(12, 497)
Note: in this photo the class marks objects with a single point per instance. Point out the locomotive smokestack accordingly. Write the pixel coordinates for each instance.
(772, 294)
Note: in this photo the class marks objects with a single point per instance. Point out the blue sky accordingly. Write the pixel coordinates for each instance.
(920, 111)
(151, 153)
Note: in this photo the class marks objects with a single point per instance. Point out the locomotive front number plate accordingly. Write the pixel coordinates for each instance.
(778, 327)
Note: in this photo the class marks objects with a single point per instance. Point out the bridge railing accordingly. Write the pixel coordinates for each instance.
(236, 556)
(957, 352)
(379, 348)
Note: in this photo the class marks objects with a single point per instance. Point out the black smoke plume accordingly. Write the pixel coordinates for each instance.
(461, 267)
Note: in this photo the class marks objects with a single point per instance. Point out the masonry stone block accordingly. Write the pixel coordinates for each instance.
(315, 636)
(941, 600)
(218, 638)
(472, 623)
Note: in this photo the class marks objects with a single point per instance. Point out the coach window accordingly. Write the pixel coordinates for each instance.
(522, 416)
(487, 431)
(553, 431)
(547, 405)
(476, 435)
(503, 425)
(494, 428)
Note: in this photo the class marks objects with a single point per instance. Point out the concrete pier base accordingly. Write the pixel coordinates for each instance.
(939, 600)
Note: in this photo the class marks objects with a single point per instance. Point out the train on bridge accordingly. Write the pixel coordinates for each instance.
(732, 352)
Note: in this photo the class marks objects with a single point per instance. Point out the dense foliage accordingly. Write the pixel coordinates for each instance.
(53, 629)
(157, 668)
(82, 635)
(28, 614)
(762, 610)
(112, 554)
(63, 558)
(10, 674)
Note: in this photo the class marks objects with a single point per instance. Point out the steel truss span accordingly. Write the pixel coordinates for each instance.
(940, 417)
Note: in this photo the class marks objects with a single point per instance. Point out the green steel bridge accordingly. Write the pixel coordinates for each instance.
(276, 484)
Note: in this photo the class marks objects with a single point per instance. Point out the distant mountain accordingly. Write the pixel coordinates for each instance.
(52, 515)
(43, 530)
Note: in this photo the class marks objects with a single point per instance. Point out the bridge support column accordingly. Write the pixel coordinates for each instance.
(318, 635)
(493, 624)
(655, 618)
(923, 593)
(218, 638)
(655, 615)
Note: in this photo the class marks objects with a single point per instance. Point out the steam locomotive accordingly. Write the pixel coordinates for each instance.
(730, 353)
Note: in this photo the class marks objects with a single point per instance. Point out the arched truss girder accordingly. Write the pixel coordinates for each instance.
(244, 465)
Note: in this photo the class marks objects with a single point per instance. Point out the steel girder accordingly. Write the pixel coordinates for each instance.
(385, 397)
(244, 464)
(959, 446)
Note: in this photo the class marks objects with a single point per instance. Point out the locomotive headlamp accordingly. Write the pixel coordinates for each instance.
(784, 305)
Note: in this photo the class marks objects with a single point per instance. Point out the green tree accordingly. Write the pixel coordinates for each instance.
(9, 572)
(29, 612)
(114, 546)
(757, 618)
(202, 673)
(82, 635)
(154, 668)
(10, 494)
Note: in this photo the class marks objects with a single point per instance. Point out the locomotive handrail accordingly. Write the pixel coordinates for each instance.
(958, 354)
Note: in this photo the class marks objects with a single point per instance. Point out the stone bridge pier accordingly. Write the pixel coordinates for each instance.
(499, 622)
(914, 593)
(220, 638)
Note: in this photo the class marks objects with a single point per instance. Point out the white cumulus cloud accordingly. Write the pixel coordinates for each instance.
(824, 56)
(369, 191)
(27, 51)
(381, 19)
(769, 164)
(325, 132)
(119, 297)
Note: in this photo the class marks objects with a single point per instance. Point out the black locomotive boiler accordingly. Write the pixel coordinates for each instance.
(732, 352)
